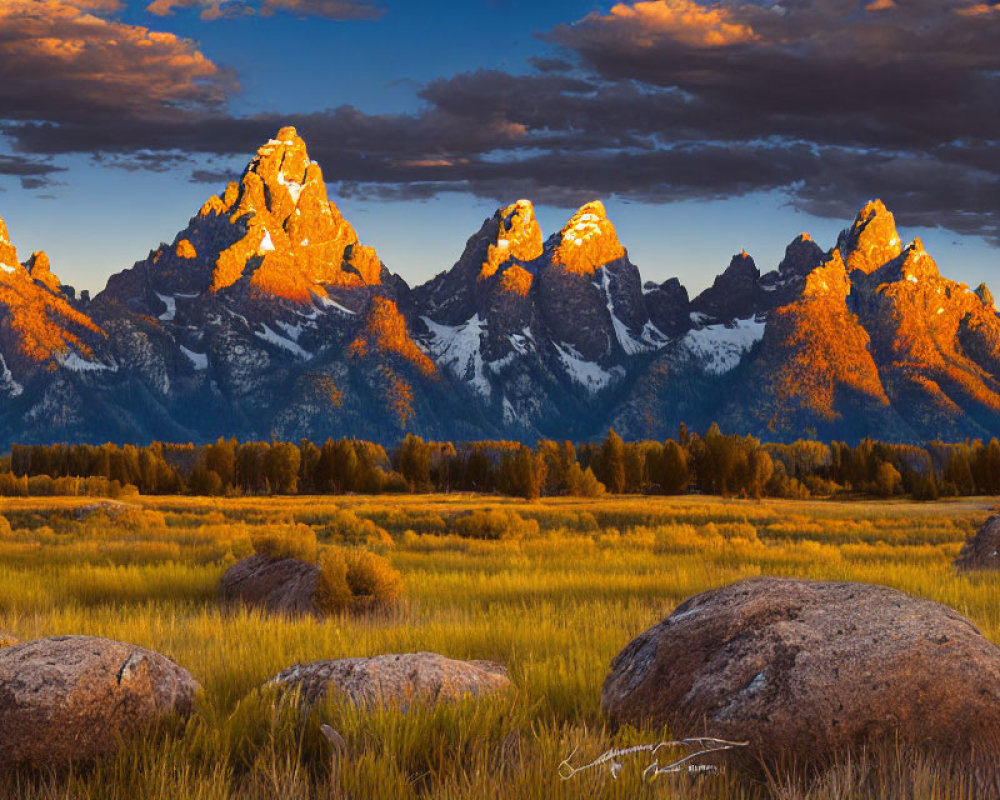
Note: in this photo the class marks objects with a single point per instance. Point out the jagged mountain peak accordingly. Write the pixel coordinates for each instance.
(743, 264)
(985, 295)
(587, 242)
(296, 240)
(274, 233)
(518, 238)
(40, 269)
(917, 263)
(8, 253)
(37, 324)
(802, 256)
(872, 241)
(735, 294)
(830, 279)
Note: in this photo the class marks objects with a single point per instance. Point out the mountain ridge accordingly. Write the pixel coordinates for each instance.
(269, 316)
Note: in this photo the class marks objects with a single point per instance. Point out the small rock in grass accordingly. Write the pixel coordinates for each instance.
(394, 680)
(282, 585)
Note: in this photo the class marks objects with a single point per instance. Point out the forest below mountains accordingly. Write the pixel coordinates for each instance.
(712, 463)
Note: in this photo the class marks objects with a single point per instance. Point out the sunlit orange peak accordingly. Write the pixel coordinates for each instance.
(40, 269)
(519, 237)
(872, 241)
(588, 241)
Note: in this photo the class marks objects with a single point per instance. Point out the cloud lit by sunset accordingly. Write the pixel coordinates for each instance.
(684, 20)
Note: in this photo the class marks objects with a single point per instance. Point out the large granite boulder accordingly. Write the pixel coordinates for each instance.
(982, 551)
(806, 670)
(71, 698)
(394, 680)
(281, 586)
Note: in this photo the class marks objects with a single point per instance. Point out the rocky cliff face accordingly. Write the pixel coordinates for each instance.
(268, 317)
(543, 334)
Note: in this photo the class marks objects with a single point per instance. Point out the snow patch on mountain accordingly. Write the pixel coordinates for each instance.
(11, 387)
(720, 348)
(74, 362)
(294, 189)
(271, 336)
(293, 332)
(654, 336)
(458, 348)
(586, 373)
(328, 303)
(171, 304)
(509, 412)
(630, 344)
(523, 342)
(199, 360)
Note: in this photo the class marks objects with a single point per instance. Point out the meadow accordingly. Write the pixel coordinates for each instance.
(553, 589)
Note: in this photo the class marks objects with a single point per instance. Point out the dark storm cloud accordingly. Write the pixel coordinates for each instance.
(909, 75)
(33, 174)
(144, 161)
(214, 177)
(220, 9)
(830, 102)
(543, 64)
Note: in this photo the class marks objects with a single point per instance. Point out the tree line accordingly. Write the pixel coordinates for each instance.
(710, 463)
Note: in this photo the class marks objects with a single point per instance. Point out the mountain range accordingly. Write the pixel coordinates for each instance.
(266, 317)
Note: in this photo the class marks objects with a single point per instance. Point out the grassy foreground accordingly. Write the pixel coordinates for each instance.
(553, 589)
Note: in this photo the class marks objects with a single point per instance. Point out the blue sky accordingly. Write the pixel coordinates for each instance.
(560, 102)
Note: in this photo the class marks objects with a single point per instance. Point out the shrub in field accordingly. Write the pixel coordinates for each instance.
(494, 524)
(13, 486)
(397, 520)
(6, 532)
(291, 541)
(346, 526)
(356, 580)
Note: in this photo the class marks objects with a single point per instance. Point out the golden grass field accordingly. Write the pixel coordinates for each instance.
(556, 591)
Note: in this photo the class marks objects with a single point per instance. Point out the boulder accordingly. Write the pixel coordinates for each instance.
(806, 670)
(282, 585)
(71, 698)
(982, 551)
(394, 680)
